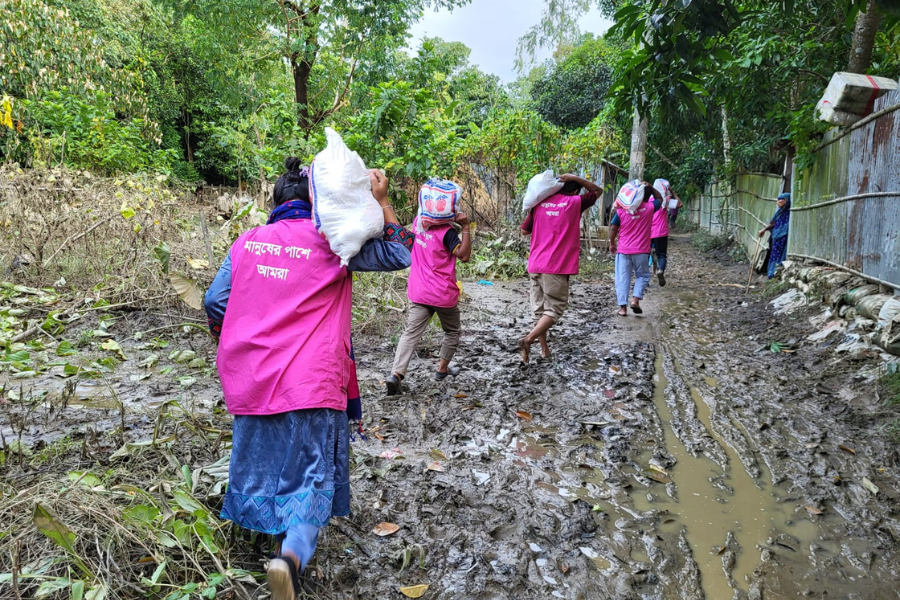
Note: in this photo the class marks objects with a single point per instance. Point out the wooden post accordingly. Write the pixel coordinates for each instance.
(205, 231)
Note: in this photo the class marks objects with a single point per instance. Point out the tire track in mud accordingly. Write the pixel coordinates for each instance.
(587, 499)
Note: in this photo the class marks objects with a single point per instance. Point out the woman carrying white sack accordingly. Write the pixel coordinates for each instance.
(435, 246)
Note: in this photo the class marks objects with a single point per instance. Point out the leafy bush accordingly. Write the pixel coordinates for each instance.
(85, 134)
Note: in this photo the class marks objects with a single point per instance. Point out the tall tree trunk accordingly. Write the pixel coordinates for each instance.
(726, 137)
(638, 147)
(864, 39)
(301, 73)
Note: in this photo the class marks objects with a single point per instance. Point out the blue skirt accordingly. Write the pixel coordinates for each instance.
(289, 469)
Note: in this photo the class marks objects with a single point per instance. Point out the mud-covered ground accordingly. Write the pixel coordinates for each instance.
(671, 455)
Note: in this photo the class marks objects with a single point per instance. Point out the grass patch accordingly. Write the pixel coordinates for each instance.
(889, 389)
(707, 242)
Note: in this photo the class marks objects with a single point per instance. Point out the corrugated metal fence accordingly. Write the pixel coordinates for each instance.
(846, 208)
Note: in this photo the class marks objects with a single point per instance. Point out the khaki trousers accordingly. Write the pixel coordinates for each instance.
(419, 317)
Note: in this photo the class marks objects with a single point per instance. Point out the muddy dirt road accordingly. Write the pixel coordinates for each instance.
(661, 456)
(658, 457)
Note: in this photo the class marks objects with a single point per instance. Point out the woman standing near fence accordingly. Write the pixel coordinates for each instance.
(779, 226)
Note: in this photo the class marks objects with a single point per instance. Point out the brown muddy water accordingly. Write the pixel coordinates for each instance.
(726, 513)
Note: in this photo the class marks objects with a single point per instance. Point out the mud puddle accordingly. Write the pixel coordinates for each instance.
(726, 513)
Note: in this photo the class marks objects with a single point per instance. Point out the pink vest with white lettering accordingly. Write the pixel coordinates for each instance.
(556, 236)
(660, 223)
(286, 336)
(432, 277)
(635, 230)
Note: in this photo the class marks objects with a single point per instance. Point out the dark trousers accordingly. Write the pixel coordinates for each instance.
(661, 246)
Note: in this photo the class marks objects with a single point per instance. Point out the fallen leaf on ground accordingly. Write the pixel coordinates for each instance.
(385, 529)
(461, 396)
(846, 449)
(197, 263)
(814, 511)
(414, 591)
(870, 486)
(391, 454)
(438, 454)
(436, 466)
(379, 436)
(524, 415)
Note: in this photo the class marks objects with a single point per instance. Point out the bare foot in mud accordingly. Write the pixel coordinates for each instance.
(525, 347)
(545, 347)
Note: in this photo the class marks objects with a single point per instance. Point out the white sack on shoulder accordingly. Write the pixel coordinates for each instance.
(631, 196)
(541, 187)
(344, 209)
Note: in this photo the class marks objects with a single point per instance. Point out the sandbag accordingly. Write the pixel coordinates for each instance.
(889, 339)
(542, 186)
(890, 311)
(438, 203)
(344, 209)
(631, 196)
(870, 306)
(854, 296)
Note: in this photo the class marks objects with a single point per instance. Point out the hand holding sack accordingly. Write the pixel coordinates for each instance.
(541, 187)
(631, 196)
(344, 210)
(438, 203)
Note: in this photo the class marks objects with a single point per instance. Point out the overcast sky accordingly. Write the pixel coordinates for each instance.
(492, 28)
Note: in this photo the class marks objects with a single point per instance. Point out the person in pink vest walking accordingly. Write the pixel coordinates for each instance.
(280, 307)
(629, 240)
(659, 237)
(432, 284)
(555, 229)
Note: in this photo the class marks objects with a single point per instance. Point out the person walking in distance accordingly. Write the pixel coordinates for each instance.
(629, 240)
(555, 229)
(432, 282)
(660, 233)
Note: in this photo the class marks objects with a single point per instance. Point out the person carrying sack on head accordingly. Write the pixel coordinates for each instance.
(659, 241)
(555, 229)
(629, 240)
(436, 246)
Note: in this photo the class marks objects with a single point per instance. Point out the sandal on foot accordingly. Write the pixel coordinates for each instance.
(636, 309)
(526, 351)
(454, 371)
(281, 575)
(623, 312)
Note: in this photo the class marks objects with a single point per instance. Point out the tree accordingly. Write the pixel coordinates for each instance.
(572, 92)
(322, 42)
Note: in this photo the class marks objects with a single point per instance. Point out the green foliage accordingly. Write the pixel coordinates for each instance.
(86, 134)
(410, 132)
(573, 91)
(500, 255)
(889, 387)
(707, 242)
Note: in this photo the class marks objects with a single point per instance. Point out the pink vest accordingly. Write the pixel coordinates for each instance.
(432, 278)
(660, 223)
(556, 236)
(635, 230)
(286, 336)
